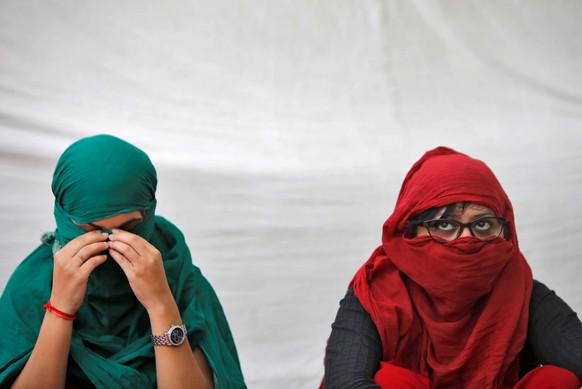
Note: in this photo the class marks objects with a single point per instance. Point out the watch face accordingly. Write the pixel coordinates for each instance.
(177, 335)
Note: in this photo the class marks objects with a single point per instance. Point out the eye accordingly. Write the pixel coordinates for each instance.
(130, 225)
(88, 227)
(445, 226)
(482, 225)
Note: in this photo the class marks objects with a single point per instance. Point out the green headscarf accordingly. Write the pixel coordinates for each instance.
(100, 177)
(96, 178)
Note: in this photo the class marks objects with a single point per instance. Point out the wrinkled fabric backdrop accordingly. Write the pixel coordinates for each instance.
(282, 131)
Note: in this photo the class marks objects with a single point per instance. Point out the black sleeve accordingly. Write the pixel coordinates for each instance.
(555, 332)
(354, 349)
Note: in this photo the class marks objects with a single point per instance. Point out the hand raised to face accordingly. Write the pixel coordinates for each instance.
(72, 266)
(143, 266)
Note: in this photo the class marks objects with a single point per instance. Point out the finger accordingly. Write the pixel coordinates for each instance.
(124, 249)
(83, 240)
(90, 264)
(142, 248)
(91, 250)
(88, 238)
(122, 261)
(128, 238)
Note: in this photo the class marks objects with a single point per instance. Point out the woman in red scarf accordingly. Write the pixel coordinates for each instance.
(446, 301)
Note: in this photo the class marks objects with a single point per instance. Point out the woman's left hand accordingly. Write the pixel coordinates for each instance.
(142, 264)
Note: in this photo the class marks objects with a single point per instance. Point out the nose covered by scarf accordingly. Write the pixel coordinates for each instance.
(99, 177)
(96, 178)
(456, 312)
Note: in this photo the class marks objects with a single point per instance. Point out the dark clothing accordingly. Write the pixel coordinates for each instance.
(354, 349)
(554, 331)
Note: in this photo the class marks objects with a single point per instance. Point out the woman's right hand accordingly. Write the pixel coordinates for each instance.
(72, 266)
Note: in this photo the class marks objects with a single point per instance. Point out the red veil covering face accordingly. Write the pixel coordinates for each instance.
(457, 312)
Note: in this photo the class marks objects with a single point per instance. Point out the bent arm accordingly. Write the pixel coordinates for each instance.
(555, 332)
(354, 349)
(178, 367)
(47, 365)
(142, 263)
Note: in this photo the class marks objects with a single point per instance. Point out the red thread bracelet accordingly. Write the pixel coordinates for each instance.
(57, 312)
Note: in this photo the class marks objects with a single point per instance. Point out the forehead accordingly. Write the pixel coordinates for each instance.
(477, 207)
(116, 220)
(466, 209)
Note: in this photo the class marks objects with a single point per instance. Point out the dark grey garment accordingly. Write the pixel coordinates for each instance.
(354, 349)
(554, 331)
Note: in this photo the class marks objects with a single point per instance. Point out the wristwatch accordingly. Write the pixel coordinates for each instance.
(173, 337)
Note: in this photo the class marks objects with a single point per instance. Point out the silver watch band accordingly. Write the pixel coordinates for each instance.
(161, 340)
(165, 339)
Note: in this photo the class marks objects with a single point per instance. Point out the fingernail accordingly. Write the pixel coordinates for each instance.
(105, 234)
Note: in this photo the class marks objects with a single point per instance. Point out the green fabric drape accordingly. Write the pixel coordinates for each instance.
(99, 177)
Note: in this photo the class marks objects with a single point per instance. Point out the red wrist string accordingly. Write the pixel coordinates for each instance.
(57, 312)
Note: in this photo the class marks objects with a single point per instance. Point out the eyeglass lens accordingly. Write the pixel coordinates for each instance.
(487, 228)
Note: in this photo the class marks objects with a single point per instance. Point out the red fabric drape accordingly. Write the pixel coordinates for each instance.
(455, 313)
(390, 376)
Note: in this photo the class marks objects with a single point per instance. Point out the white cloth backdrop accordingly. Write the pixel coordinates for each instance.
(282, 131)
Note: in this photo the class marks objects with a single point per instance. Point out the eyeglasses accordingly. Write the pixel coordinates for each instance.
(486, 228)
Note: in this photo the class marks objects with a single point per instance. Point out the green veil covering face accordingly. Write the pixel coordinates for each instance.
(100, 177)
(96, 178)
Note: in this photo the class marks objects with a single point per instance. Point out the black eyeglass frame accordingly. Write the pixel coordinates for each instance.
(462, 226)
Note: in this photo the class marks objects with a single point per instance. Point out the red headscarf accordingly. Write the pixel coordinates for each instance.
(457, 312)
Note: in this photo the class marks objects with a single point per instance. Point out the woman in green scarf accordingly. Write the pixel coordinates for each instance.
(111, 299)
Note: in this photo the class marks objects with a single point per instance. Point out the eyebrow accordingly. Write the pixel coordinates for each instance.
(478, 216)
(486, 214)
(120, 227)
